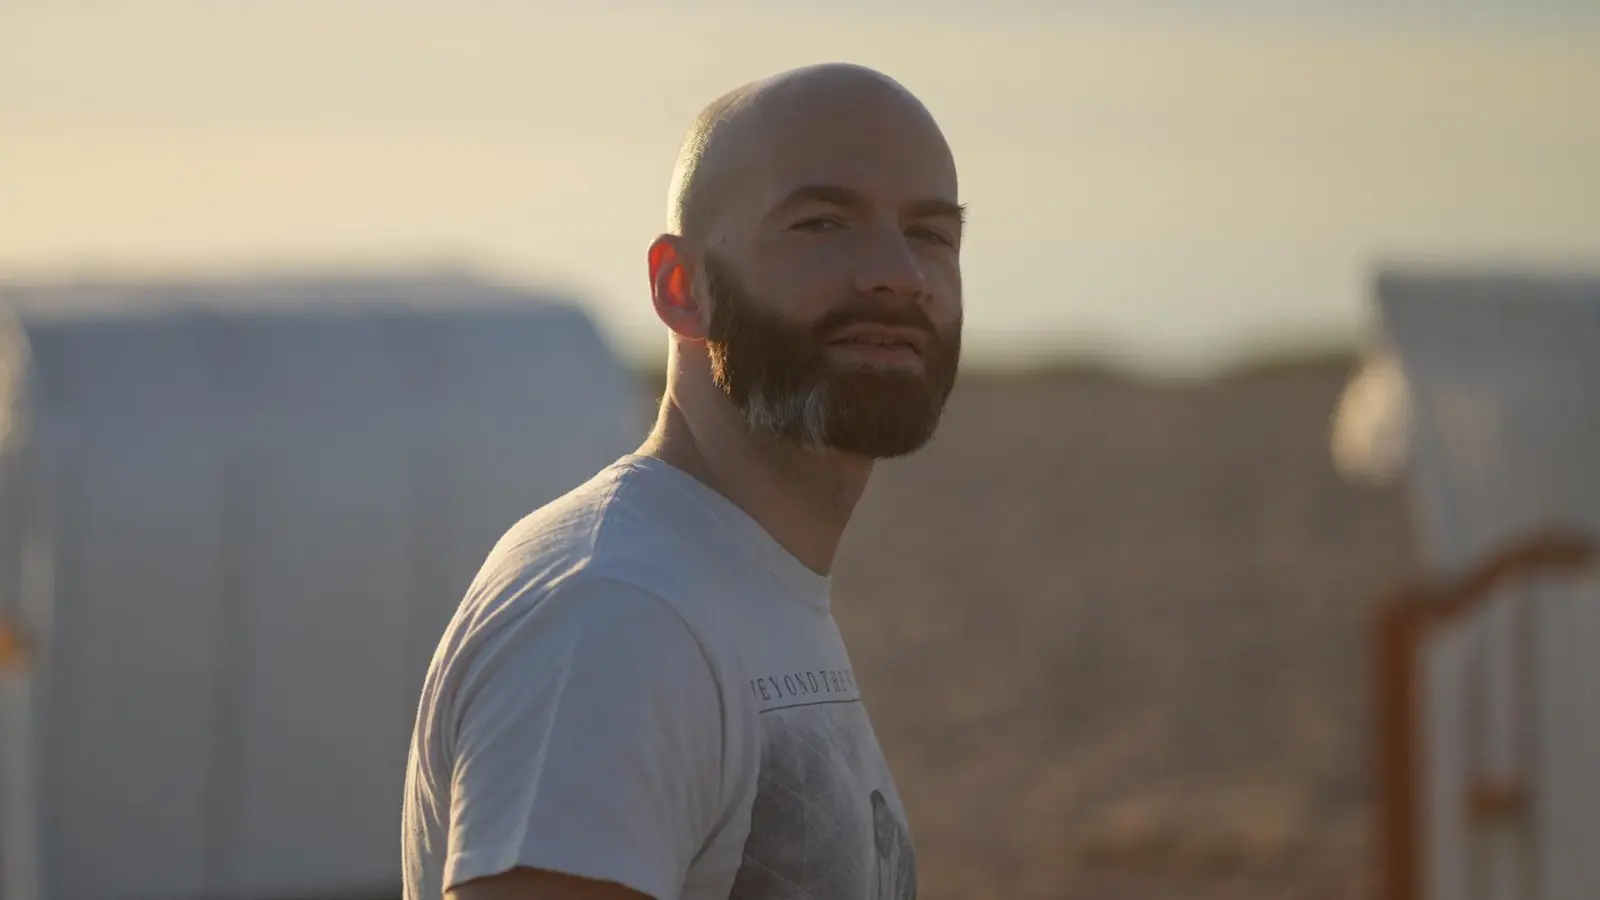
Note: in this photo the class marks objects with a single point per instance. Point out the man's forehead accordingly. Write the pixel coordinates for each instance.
(857, 141)
(904, 189)
(879, 166)
(906, 201)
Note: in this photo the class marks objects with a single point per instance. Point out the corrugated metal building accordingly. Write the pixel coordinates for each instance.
(234, 520)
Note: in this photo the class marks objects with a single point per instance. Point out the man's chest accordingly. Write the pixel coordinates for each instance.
(826, 819)
(824, 816)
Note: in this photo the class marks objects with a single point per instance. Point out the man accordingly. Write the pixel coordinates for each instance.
(644, 693)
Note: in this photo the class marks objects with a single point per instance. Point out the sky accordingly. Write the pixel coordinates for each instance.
(1168, 184)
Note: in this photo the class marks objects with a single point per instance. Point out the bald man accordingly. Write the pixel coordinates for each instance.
(643, 693)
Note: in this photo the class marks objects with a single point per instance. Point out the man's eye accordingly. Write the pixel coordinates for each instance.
(930, 234)
(824, 223)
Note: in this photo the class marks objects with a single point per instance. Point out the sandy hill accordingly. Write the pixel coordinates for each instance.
(1114, 638)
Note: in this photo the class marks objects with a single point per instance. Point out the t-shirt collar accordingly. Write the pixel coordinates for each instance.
(811, 586)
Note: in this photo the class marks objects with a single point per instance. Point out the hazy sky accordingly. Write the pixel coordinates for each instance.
(1166, 184)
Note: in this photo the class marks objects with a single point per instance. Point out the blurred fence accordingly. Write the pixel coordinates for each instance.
(1489, 694)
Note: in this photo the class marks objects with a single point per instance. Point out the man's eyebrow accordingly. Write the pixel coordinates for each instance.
(832, 194)
(934, 208)
(838, 195)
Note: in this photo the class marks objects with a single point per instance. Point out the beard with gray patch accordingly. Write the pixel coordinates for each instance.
(779, 377)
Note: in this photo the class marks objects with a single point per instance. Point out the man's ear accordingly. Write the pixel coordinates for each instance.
(672, 288)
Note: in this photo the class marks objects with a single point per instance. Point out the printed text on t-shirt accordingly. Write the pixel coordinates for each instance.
(805, 687)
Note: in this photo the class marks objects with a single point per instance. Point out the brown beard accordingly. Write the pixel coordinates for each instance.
(779, 377)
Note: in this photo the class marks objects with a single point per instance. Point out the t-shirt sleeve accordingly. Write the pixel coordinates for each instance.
(587, 739)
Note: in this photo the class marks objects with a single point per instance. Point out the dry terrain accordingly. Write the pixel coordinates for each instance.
(1114, 637)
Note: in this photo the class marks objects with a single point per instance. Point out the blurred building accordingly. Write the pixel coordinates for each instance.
(1486, 401)
(235, 518)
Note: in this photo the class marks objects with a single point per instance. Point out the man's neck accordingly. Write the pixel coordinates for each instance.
(803, 499)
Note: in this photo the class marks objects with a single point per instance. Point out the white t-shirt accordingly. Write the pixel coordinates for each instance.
(642, 686)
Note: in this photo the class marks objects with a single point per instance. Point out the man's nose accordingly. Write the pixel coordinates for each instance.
(890, 267)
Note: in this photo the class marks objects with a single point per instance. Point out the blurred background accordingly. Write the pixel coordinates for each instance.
(1116, 624)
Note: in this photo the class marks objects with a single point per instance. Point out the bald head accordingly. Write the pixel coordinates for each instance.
(811, 273)
(742, 136)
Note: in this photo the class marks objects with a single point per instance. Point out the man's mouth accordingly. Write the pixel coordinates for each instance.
(878, 348)
(881, 340)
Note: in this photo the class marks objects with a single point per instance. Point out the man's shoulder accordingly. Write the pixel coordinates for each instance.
(541, 619)
(592, 537)
(651, 532)
(612, 555)
(614, 528)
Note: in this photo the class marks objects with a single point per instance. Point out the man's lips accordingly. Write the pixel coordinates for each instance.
(881, 336)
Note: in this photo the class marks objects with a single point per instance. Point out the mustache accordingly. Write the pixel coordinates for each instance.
(874, 312)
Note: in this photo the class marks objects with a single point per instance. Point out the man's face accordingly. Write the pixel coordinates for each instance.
(788, 379)
(836, 313)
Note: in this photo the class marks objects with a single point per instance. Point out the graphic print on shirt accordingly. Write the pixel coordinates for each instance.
(821, 827)
(897, 861)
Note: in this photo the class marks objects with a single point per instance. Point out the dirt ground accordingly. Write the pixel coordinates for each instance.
(1114, 637)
